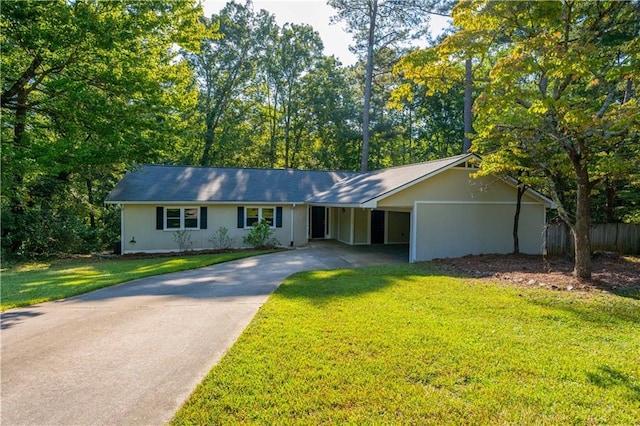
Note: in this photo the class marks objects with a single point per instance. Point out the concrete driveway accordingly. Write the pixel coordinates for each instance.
(132, 353)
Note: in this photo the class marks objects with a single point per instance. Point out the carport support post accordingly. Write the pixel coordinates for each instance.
(412, 236)
(293, 206)
(352, 225)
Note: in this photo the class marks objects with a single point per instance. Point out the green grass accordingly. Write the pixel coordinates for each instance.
(33, 283)
(406, 345)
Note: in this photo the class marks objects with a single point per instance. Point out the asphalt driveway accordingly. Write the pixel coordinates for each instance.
(132, 353)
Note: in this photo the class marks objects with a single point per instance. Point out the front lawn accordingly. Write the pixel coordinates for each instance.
(33, 283)
(406, 345)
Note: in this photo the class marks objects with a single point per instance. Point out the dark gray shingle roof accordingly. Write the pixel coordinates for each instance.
(360, 188)
(212, 184)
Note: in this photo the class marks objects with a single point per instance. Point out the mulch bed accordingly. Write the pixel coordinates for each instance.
(611, 272)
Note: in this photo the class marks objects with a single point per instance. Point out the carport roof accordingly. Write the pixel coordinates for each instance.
(364, 188)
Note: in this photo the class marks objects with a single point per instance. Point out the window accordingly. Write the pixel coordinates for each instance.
(191, 218)
(173, 219)
(254, 215)
(248, 216)
(181, 218)
(267, 214)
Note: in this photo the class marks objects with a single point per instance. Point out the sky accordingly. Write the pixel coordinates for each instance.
(315, 13)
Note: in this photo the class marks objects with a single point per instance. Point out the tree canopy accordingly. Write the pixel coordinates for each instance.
(87, 87)
(556, 94)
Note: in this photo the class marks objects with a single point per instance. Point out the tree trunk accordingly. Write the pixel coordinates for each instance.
(520, 190)
(468, 83)
(610, 191)
(16, 206)
(580, 230)
(367, 86)
(208, 140)
(92, 216)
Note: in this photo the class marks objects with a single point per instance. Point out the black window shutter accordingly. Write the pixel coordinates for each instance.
(278, 217)
(241, 217)
(159, 217)
(203, 217)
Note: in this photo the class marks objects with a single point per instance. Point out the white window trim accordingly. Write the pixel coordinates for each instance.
(182, 218)
(259, 215)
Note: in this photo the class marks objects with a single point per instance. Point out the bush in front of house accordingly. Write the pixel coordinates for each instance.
(183, 240)
(261, 236)
(221, 239)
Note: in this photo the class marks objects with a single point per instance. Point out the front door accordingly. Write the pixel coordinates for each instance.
(377, 227)
(318, 221)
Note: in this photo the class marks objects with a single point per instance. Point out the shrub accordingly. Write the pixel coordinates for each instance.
(221, 239)
(183, 240)
(261, 236)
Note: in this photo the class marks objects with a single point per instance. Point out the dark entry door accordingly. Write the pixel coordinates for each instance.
(317, 222)
(377, 227)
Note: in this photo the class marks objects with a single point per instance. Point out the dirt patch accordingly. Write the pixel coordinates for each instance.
(611, 272)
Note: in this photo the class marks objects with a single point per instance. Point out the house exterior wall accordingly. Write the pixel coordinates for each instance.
(344, 225)
(139, 223)
(334, 224)
(398, 226)
(455, 184)
(453, 230)
(300, 230)
(361, 226)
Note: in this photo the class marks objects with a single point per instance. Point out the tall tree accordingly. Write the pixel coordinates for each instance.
(87, 88)
(291, 52)
(375, 25)
(226, 66)
(330, 117)
(556, 100)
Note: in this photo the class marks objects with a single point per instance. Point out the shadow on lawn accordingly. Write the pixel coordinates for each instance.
(607, 377)
(325, 286)
(603, 314)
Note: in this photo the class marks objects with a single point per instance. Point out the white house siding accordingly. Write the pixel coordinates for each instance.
(455, 184)
(334, 223)
(139, 223)
(361, 226)
(300, 218)
(454, 230)
(344, 225)
(398, 227)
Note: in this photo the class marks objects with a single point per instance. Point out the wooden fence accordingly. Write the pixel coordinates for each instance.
(623, 238)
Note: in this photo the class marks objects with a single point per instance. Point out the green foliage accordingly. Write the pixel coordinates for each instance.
(261, 236)
(88, 88)
(380, 28)
(31, 283)
(555, 104)
(401, 345)
(221, 239)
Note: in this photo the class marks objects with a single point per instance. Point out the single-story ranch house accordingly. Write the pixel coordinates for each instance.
(436, 207)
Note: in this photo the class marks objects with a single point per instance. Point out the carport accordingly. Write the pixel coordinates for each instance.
(438, 208)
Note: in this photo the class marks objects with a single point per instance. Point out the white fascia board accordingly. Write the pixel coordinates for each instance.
(371, 204)
(345, 205)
